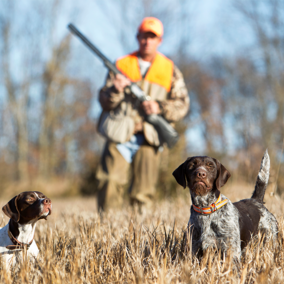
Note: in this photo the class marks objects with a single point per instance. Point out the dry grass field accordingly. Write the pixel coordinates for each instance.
(77, 246)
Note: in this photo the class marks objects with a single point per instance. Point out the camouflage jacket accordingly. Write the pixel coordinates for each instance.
(174, 105)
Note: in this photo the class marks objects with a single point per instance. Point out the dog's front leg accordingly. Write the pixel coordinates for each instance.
(194, 235)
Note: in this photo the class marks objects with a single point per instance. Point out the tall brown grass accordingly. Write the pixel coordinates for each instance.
(78, 246)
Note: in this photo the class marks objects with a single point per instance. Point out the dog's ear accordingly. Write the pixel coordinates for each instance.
(11, 209)
(222, 175)
(179, 174)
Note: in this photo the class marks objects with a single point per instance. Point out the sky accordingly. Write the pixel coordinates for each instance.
(210, 24)
(211, 28)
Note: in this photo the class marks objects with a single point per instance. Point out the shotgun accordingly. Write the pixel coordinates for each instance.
(167, 134)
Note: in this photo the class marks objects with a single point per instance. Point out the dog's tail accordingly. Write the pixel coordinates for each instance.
(262, 178)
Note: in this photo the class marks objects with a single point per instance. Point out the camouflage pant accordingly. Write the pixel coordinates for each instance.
(114, 174)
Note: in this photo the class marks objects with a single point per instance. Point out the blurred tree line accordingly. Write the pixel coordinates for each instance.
(47, 125)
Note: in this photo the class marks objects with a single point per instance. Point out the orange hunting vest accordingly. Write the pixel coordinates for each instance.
(160, 71)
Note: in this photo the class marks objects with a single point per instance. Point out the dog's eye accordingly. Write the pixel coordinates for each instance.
(30, 200)
(209, 165)
(190, 166)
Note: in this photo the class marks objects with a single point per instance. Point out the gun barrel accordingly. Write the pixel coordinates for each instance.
(106, 61)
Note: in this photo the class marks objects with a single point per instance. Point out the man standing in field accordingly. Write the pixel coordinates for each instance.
(163, 82)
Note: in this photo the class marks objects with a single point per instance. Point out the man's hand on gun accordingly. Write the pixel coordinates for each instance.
(151, 107)
(120, 82)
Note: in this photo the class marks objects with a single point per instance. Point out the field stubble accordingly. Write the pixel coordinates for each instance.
(77, 246)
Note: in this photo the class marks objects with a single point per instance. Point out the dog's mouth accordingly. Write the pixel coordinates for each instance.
(202, 183)
(200, 187)
(45, 214)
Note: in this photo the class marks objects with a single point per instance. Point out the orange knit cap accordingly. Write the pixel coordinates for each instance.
(151, 24)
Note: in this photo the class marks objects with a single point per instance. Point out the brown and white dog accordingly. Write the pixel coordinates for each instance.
(215, 221)
(24, 210)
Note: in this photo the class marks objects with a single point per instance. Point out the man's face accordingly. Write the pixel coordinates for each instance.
(148, 43)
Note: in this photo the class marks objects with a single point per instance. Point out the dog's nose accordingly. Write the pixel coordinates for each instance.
(201, 174)
(46, 201)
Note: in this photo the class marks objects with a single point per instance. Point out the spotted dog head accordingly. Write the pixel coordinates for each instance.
(201, 174)
(28, 206)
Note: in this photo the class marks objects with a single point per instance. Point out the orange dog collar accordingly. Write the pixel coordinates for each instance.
(213, 207)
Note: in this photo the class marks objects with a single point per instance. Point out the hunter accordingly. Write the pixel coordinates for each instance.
(139, 154)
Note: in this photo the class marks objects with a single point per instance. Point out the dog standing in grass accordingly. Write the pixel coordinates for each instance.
(215, 221)
(17, 237)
